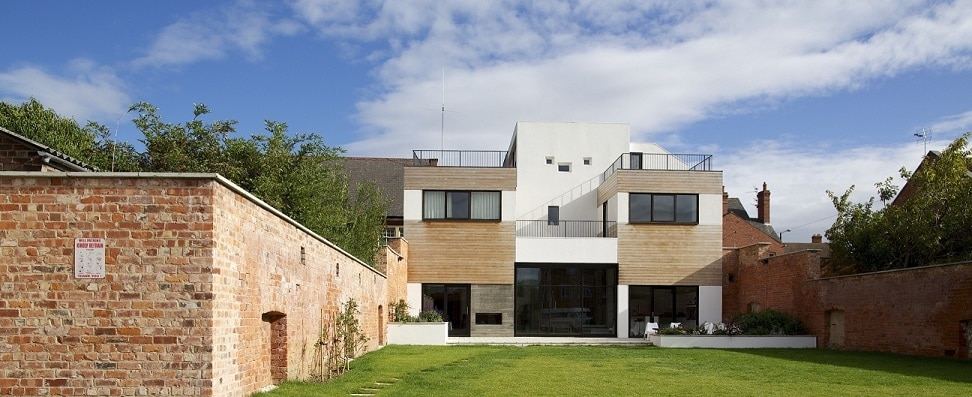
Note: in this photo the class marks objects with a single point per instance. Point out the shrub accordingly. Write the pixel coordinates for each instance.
(430, 316)
(768, 322)
(399, 312)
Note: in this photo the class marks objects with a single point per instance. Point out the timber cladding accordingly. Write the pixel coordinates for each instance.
(660, 181)
(459, 178)
(669, 254)
(461, 252)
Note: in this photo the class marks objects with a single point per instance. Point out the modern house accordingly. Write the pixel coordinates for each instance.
(571, 231)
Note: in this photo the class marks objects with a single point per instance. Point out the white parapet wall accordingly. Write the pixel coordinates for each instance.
(567, 250)
(736, 342)
(418, 333)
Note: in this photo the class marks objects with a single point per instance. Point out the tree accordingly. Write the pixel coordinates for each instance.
(931, 226)
(91, 143)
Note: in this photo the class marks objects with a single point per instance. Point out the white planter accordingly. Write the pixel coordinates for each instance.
(736, 342)
(418, 333)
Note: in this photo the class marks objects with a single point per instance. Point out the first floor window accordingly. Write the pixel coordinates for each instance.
(663, 208)
(461, 204)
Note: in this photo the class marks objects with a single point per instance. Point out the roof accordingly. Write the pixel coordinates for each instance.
(909, 189)
(736, 207)
(794, 247)
(385, 172)
(51, 154)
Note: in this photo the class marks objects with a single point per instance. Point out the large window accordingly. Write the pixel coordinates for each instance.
(450, 300)
(662, 305)
(459, 204)
(565, 300)
(663, 208)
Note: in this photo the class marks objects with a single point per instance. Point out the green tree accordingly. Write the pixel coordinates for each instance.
(91, 143)
(931, 226)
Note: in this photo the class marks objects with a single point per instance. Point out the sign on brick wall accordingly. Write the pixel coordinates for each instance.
(89, 258)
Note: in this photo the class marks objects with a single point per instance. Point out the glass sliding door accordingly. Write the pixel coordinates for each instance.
(450, 300)
(565, 300)
(662, 305)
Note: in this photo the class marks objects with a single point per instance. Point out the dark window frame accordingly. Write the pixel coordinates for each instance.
(674, 289)
(490, 318)
(651, 209)
(553, 221)
(446, 218)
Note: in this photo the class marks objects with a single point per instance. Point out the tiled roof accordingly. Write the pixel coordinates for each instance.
(72, 163)
(736, 207)
(387, 173)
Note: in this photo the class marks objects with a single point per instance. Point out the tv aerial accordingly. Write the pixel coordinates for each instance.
(923, 135)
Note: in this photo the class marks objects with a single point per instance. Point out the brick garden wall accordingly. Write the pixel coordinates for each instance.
(143, 329)
(917, 311)
(204, 289)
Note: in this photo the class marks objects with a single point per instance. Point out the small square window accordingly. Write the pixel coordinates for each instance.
(553, 215)
(549, 160)
(563, 167)
(587, 161)
(489, 318)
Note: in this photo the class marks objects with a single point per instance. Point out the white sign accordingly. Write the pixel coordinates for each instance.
(89, 258)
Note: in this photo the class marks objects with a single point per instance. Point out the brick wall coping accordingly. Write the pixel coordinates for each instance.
(904, 269)
(812, 250)
(190, 175)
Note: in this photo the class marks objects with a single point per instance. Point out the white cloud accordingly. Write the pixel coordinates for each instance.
(243, 27)
(657, 65)
(799, 177)
(956, 123)
(86, 91)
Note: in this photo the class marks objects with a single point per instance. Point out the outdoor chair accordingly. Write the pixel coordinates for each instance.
(651, 329)
(676, 325)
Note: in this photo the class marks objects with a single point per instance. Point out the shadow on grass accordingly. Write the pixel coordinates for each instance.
(952, 370)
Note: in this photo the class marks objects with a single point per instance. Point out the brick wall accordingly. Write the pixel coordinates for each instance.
(910, 311)
(16, 156)
(737, 232)
(145, 328)
(395, 266)
(199, 277)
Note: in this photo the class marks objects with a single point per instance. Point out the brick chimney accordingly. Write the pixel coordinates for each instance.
(816, 238)
(725, 201)
(763, 205)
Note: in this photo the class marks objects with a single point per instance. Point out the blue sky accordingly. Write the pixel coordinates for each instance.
(807, 96)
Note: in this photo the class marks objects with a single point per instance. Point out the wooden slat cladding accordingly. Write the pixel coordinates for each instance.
(669, 254)
(460, 252)
(607, 189)
(651, 181)
(419, 178)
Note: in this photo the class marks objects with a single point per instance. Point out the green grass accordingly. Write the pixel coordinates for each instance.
(608, 371)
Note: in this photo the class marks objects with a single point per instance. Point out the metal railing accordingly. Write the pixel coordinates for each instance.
(544, 228)
(659, 161)
(461, 158)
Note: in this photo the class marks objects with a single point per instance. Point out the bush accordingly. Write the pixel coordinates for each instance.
(768, 322)
(399, 312)
(430, 316)
(672, 331)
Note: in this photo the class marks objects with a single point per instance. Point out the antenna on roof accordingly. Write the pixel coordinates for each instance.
(924, 135)
(442, 117)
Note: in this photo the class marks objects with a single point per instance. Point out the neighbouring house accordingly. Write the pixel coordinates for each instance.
(909, 189)
(19, 153)
(572, 231)
(740, 230)
(388, 175)
(169, 284)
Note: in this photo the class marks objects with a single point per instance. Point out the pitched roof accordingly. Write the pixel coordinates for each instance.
(794, 247)
(51, 154)
(736, 207)
(385, 172)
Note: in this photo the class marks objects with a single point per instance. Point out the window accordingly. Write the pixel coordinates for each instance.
(459, 204)
(663, 208)
(553, 215)
(563, 167)
(635, 161)
(550, 159)
(489, 318)
(587, 161)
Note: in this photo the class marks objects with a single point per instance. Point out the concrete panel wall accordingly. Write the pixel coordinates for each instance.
(491, 298)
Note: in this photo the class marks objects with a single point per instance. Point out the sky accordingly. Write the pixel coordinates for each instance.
(805, 96)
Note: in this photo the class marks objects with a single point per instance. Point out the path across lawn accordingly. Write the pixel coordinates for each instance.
(617, 370)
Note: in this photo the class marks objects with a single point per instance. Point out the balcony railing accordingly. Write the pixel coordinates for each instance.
(462, 158)
(544, 228)
(659, 161)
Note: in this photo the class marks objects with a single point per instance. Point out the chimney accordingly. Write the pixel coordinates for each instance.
(725, 201)
(763, 206)
(816, 238)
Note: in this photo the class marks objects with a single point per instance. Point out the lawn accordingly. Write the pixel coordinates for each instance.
(612, 371)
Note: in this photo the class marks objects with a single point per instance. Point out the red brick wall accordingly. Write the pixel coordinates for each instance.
(15, 156)
(146, 327)
(737, 232)
(192, 266)
(911, 311)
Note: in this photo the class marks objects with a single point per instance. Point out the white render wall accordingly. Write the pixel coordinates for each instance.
(540, 185)
(710, 304)
(623, 313)
(566, 250)
(413, 296)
